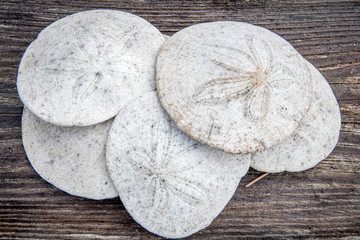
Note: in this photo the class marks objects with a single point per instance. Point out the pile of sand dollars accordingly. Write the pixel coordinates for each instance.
(171, 125)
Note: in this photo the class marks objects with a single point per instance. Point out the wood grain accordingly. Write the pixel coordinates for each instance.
(323, 202)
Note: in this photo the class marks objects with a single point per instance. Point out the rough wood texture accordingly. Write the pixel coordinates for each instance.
(323, 202)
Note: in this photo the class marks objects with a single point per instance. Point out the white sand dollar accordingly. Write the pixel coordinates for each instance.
(312, 141)
(83, 68)
(166, 37)
(70, 158)
(170, 184)
(234, 86)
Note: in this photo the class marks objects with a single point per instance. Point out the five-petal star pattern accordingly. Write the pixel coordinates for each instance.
(256, 86)
(93, 58)
(164, 178)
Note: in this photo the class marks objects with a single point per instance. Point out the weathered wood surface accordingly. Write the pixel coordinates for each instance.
(323, 202)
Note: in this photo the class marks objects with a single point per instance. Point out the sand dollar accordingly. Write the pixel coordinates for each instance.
(83, 68)
(170, 184)
(234, 86)
(312, 141)
(70, 158)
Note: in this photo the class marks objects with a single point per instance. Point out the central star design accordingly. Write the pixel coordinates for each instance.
(93, 58)
(257, 86)
(164, 177)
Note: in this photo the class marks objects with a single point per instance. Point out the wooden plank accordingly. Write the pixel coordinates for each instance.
(323, 202)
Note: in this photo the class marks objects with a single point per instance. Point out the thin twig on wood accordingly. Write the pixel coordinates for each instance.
(256, 179)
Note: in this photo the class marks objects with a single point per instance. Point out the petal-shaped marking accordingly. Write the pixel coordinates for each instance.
(258, 104)
(85, 85)
(56, 65)
(140, 162)
(174, 171)
(160, 134)
(223, 89)
(312, 113)
(269, 59)
(150, 193)
(114, 72)
(239, 71)
(286, 74)
(158, 193)
(127, 43)
(202, 169)
(247, 56)
(186, 190)
(176, 157)
(304, 136)
(257, 60)
(125, 66)
(90, 39)
(171, 170)
(163, 196)
(275, 73)
(276, 132)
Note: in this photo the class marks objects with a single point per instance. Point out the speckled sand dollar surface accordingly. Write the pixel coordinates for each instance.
(312, 141)
(234, 86)
(83, 68)
(166, 37)
(70, 158)
(169, 183)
